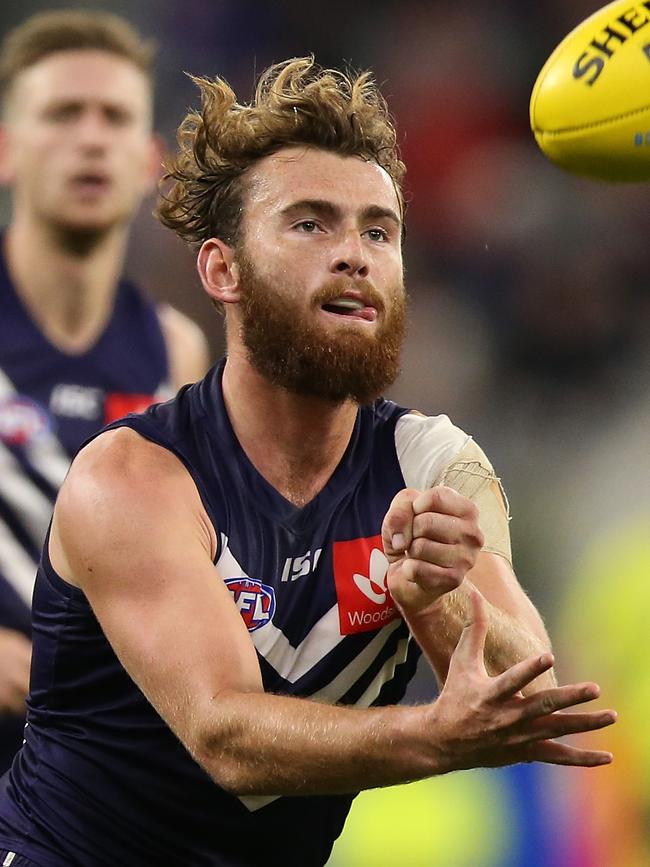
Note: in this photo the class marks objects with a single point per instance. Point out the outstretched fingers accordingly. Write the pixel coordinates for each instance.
(557, 725)
(514, 679)
(556, 753)
(548, 701)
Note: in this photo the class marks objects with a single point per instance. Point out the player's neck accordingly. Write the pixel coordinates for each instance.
(295, 442)
(69, 291)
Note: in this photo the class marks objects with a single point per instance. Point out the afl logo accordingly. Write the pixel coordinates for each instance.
(255, 601)
(22, 420)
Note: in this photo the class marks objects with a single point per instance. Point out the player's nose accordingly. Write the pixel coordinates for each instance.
(92, 131)
(349, 257)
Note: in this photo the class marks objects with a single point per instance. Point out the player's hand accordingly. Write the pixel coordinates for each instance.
(15, 659)
(484, 721)
(431, 539)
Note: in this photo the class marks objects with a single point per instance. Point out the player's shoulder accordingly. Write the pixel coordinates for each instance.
(123, 496)
(414, 428)
(187, 346)
(179, 326)
(425, 445)
(123, 464)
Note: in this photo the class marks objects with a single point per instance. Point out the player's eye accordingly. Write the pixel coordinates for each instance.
(63, 113)
(309, 227)
(377, 234)
(117, 116)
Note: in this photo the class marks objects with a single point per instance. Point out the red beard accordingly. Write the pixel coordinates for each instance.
(304, 357)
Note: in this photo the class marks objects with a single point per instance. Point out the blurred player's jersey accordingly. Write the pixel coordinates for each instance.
(50, 402)
(101, 779)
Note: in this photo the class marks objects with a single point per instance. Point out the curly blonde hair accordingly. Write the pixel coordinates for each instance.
(296, 102)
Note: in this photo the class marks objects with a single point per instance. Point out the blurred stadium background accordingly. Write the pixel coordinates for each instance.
(530, 327)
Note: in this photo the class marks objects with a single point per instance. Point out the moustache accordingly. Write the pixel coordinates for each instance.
(337, 289)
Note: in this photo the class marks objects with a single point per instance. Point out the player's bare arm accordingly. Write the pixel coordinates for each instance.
(130, 530)
(15, 657)
(434, 542)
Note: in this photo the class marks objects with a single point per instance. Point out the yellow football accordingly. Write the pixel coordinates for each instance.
(590, 106)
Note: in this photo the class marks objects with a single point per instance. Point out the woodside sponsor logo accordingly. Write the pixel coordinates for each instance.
(364, 601)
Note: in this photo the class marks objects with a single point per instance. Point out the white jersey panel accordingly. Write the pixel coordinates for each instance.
(425, 445)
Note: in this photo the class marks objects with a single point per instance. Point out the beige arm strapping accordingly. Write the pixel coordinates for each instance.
(472, 475)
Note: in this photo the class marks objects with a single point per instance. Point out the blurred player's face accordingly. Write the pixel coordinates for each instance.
(323, 303)
(77, 148)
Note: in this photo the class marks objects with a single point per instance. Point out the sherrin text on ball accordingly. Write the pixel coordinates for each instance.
(590, 106)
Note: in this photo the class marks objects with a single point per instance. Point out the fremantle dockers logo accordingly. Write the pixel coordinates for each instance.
(255, 601)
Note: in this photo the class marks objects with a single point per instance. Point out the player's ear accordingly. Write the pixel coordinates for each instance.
(6, 162)
(218, 271)
(154, 169)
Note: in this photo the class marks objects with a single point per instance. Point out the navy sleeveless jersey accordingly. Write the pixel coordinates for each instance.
(101, 780)
(50, 402)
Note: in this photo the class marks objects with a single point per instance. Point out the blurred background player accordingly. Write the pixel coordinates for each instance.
(79, 345)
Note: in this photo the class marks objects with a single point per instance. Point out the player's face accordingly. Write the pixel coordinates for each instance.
(323, 305)
(77, 148)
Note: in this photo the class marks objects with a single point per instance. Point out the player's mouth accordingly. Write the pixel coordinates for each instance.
(90, 183)
(350, 308)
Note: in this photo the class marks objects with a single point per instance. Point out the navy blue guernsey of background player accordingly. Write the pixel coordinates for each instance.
(276, 533)
(79, 346)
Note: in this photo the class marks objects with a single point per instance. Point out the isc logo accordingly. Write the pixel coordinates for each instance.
(297, 567)
(255, 601)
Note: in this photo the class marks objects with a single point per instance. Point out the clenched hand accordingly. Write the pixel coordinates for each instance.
(431, 539)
